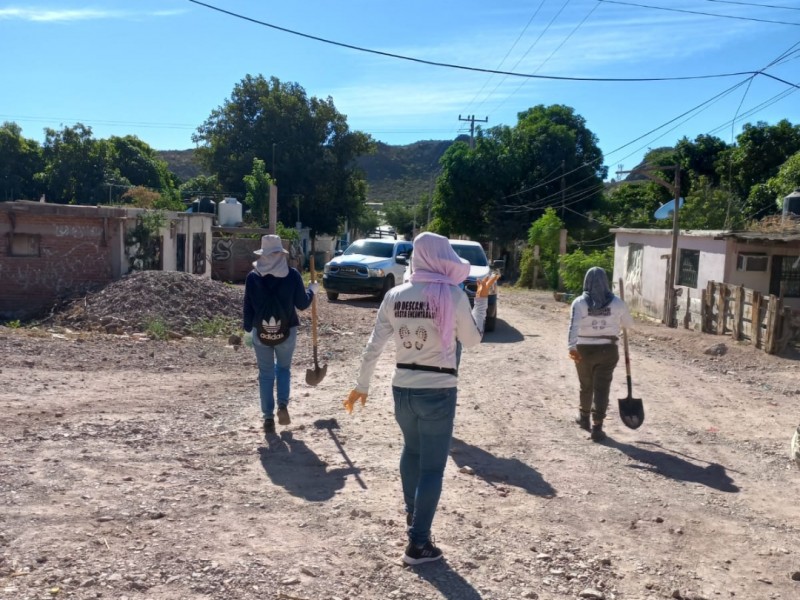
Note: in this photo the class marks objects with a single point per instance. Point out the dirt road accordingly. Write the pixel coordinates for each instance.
(131, 468)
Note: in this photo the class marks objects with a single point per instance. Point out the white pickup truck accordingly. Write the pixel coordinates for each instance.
(370, 266)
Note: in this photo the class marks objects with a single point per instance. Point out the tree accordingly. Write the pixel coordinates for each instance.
(702, 157)
(760, 151)
(400, 216)
(141, 197)
(778, 187)
(545, 232)
(548, 159)
(20, 160)
(305, 139)
(573, 267)
(257, 198)
(136, 163)
(202, 185)
(365, 220)
(75, 166)
(632, 205)
(707, 207)
(79, 169)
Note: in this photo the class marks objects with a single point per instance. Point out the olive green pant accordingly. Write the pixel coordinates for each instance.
(595, 372)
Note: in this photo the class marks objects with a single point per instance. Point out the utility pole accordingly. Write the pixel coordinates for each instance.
(563, 190)
(472, 119)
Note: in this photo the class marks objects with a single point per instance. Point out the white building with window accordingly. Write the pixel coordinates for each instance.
(765, 262)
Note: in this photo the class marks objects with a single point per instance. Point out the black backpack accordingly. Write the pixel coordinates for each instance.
(271, 325)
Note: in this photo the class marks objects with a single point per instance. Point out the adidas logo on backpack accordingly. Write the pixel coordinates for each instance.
(271, 331)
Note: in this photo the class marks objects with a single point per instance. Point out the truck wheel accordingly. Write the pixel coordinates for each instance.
(332, 296)
(388, 284)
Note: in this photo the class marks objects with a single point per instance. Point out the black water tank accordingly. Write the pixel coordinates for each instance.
(206, 205)
(791, 203)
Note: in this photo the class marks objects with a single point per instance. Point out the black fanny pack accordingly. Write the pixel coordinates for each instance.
(416, 367)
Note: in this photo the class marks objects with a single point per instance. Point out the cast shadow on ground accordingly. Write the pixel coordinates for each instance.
(493, 469)
(291, 464)
(450, 584)
(669, 465)
(504, 333)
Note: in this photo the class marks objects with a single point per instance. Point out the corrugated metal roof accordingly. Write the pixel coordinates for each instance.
(761, 236)
(687, 232)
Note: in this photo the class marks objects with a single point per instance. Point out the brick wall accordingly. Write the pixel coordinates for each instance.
(66, 255)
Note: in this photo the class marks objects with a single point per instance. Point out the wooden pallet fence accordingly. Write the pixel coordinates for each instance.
(746, 315)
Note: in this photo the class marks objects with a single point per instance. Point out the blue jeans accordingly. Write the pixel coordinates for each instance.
(274, 362)
(426, 419)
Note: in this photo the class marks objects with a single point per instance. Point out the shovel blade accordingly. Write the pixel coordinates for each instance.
(316, 375)
(631, 411)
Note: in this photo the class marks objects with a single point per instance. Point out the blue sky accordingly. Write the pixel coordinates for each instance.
(156, 69)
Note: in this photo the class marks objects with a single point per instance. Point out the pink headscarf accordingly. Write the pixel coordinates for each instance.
(435, 263)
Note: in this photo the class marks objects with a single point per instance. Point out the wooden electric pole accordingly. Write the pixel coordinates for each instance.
(472, 119)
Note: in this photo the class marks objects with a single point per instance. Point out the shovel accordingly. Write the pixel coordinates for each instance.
(631, 410)
(317, 374)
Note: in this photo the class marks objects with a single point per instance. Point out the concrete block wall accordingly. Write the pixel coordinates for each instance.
(74, 254)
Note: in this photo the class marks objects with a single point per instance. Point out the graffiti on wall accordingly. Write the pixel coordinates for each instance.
(78, 231)
(61, 273)
(222, 249)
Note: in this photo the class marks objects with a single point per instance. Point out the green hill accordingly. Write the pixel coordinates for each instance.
(403, 173)
(181, 163)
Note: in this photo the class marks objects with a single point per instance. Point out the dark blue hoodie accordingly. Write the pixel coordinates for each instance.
(290, 292)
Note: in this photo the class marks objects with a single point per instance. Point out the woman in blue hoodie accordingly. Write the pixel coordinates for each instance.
(272, 293)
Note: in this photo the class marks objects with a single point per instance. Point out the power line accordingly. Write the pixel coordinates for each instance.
(754, 4)
(468, 68)
(531, 47)
(546, 60)
(514, 45)
(697, 12)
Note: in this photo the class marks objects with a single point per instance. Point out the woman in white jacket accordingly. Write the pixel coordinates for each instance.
(426, 317)
(597, 319)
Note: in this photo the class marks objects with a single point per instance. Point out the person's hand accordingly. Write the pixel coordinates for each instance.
(352, 398)
(313, 287)
(575, 355)
(248, 339)
(485, 285)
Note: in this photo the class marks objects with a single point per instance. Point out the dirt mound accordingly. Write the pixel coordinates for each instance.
(173, 300)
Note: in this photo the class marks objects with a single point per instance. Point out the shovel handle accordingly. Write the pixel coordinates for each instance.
(625, 339)
(313, 309)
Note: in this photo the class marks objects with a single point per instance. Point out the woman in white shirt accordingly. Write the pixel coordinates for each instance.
(597, 319)
(426, 317)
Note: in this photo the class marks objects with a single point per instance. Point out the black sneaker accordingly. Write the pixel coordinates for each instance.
(283, 415)
(269, 426)
(598, 435)
(417, 555)
(583, 421)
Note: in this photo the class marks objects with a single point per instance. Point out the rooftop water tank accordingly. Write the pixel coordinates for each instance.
(229, 213)
(791, 203)
(207, 205)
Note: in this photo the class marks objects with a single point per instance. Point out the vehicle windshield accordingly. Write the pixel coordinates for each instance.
(473, 254)
(369, 248)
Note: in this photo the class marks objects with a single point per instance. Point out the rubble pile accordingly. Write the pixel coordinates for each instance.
(176, 300)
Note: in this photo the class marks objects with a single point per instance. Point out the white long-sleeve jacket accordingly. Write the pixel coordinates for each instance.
(405, 317)
(600, 326)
